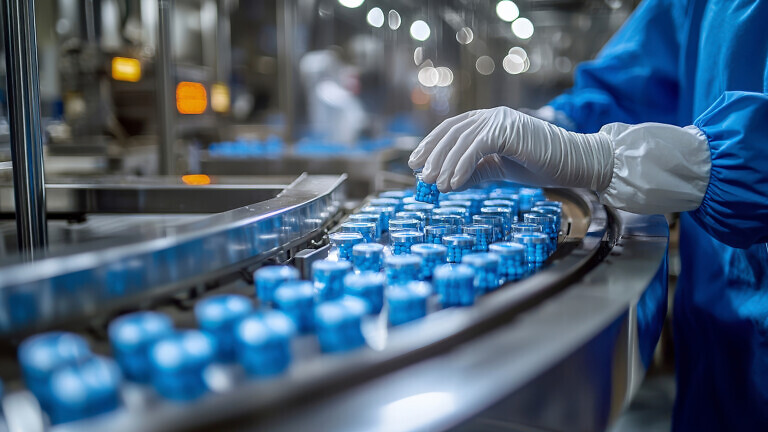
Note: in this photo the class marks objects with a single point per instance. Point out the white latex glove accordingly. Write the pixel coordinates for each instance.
(526, 149)
(646, 168)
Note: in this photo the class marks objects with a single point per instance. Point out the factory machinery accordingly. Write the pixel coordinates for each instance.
(562, 349)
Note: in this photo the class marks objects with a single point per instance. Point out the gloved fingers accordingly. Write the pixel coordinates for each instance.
(424, 149)
(455, 152)
(436, 159)
(489, 168)
(468, 161)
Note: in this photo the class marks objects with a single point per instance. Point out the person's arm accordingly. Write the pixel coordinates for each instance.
(634, 78)
(734, 209)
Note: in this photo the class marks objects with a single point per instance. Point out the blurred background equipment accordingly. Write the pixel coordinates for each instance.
(156, 153)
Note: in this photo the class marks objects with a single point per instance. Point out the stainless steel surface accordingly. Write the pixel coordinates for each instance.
(67, 197)
(166, 89)
(88, 281)
(26, 129)
(359, 382)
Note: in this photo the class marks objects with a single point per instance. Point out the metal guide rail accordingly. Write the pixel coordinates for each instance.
(384, 385)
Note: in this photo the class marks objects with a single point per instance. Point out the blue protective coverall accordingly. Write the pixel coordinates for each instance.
(703, 62)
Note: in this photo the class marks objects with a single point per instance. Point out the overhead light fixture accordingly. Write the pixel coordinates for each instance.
(351, 3)
(522, 28)
(375, 17)
(191, 98)
(507, 10)
(420, 30)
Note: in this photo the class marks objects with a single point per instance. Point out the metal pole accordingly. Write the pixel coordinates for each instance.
(23, 86)
(286, 53)
(165, 90)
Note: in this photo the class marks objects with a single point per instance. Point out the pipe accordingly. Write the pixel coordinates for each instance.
(165, 90)
(23, 86)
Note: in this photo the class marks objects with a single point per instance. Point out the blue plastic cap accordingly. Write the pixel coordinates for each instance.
(415, 290)
(480, 260)
(454, 271)
(183, 350)
(218, 316)
(428, 249)
(507, 249)
(407, 302)
(328, 266)
(178, 362)
(131, 337)
(42, 354)
(263, 342)
(534, 238)
(266, 280)
(84, 390)
(338, 323)
(368, 248)
(219, 311)
(459, 240)
(297, 300)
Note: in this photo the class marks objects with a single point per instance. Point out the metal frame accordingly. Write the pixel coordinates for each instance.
(23, 86)
(85, 282)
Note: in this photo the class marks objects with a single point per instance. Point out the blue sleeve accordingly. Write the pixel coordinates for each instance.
(735, 206)
(634, 78)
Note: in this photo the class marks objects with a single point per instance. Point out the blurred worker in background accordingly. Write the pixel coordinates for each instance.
(698, 70)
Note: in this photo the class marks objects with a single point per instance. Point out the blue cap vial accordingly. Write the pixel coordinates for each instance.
(419, 216)
(369, 286)
(506, 215)
(487, 267)
(131, 337)
(458, 211)
(297, 300)
(387, 202)
(343, 242)
(548, 225)
(366, 229)
(178, 362)
(404, 225)
(263, 341)
(553, 211)
(458, 245)
(385, 214)
(368, 217)
(420, 207)
(434, 233)
(432, 255)
(407, 302)
(84, 390)
(526, 228)
(454, 222)
(328, 277)
(338, 324)
(218, 315)
(454, 284)
(465, 204)
(528, 196)
(42, 354)
(368, 256)
(403, 240)
(267, 279)
(482, 233)
(426, 192)
(511, 204)
(402, 268)
(536, 248)
(497, 222)
(512, 266)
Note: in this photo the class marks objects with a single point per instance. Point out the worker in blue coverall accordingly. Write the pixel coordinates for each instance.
(672, 116)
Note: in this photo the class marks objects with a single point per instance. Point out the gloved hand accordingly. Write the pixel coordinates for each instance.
(503, 143)
(645, 168)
